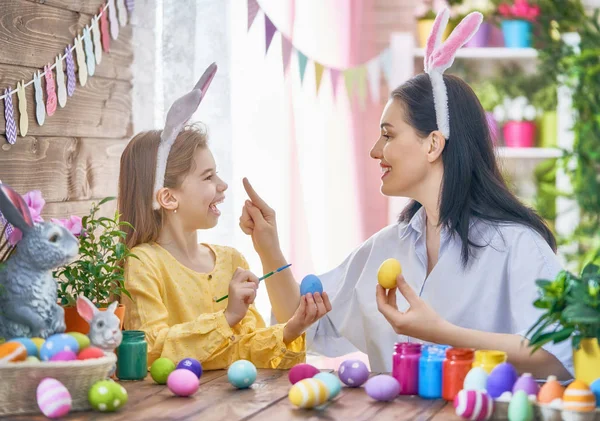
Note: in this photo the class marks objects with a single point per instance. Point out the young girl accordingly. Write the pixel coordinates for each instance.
(169, 189)
(469, 250)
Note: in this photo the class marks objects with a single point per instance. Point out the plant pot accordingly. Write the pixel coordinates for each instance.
(481, 37)
(548, 130)
(493, 126)
(586, 361)
(517, 33)
(424, 29)
(75, 322)
(519, 134)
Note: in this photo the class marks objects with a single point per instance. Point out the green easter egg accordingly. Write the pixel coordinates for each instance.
(32, 359)
(107, 396)
(520, 408)
(160, 370)
(82, 340)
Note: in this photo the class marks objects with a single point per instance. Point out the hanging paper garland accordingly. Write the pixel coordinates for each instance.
(129, 4)
(97, 41)
(112, 17)
(23, 117)
(81, 65)
(40, 109)
(11, 128)
(50, 92)
(60, 83)
(104, 31)
(122, 12)
(70, 71)
(89, 51)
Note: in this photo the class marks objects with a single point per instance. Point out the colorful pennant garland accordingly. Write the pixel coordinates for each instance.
(357, 79)
(88, 48)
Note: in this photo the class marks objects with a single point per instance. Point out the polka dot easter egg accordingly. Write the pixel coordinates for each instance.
(191, 364)
(57, 343)
(183, 382)
(301, 372)
(579, 397)
(473, 405)
(11, 352)
(382, 387)
(308, 393)
(388, 273)
(53, 398)
(334, 386)
(29, 345)
(353, 373)
(312, 284)
(107, 396)
(241, 374)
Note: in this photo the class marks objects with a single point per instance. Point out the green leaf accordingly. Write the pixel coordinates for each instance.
(577, 313)
(106, 199)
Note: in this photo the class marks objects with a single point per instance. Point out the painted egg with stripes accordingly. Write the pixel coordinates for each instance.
(474, 405)
(579, 397)
(308, 393)
(53, 398)
(11, 352)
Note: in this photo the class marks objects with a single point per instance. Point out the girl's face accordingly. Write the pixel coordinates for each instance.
(404, 156)
(200, 193)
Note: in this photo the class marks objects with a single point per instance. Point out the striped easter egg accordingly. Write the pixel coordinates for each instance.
(11, 352)
(474, 405)
(308, 393)
(53, 398)
(579, 397)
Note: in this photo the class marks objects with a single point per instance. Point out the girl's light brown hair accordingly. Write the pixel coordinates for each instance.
(136, 179)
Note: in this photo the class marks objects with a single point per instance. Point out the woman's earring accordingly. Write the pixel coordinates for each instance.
(175, 211)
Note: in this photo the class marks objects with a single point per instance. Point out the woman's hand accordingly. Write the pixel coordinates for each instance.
(419, 321)
(311, 308)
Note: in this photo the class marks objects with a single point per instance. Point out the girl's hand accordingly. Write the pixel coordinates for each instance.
(419, 321)
(311, 309)
(258, 220)
(242, 292)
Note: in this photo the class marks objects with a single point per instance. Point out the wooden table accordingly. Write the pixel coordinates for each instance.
(266, 399)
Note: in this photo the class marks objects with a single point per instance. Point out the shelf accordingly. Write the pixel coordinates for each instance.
(528, 153)
(491, 53)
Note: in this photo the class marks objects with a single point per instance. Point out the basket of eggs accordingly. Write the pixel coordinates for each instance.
(51, 376)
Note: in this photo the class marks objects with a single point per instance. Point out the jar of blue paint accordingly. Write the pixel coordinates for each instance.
(430, 371)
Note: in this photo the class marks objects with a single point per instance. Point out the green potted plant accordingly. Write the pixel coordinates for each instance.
(546, 101)
(98, 273)
(571, 310)
(517, 17)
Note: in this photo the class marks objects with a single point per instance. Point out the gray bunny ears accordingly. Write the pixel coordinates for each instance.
(177, 117)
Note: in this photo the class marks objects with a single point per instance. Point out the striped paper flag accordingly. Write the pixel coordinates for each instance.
(11, 127)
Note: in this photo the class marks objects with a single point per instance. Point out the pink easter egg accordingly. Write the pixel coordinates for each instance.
(53, 398)
(474, 405)
(64, 356)
(301, 372)
(183, 382)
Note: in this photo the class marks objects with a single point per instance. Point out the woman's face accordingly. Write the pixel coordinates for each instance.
(404, 156)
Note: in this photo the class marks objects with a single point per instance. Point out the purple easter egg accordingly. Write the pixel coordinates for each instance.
(382, 388)
(353, 373)
(64, 356)
(527, 384)
(191, 364)
(501, 379)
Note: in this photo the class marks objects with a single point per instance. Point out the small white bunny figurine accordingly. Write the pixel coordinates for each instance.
(105, 326)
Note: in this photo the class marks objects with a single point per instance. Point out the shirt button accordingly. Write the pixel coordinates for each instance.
(283, 350)
(209, 277)
(232, 337)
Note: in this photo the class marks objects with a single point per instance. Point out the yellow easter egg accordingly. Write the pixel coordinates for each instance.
(388, 272)
(579, 397)
(308, 393)
(38, 342)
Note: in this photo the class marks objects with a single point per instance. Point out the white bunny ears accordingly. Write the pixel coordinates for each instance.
(177, 117)
(440, 56)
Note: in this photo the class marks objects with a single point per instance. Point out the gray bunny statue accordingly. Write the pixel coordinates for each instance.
(105, 327)
(28, 291)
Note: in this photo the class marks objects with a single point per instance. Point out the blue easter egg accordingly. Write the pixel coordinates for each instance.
(57, 343)
(595, 388)
(312, 284)
(32, 350)
(241, 374)
(191, 364)
(333, 383)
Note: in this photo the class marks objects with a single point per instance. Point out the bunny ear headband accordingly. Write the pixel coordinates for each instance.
(177, 117)
(440, 56)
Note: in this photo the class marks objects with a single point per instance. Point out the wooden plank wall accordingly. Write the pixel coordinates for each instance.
(74, 157)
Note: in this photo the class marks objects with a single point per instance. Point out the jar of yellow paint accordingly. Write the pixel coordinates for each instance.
(488, 359)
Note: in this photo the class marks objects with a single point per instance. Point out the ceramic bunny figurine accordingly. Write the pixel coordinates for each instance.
(105, 326)
(28, 291)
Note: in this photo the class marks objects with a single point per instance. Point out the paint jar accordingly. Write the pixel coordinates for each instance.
(488, 359)
(132, 356)
(456, 366)
(405, 367)
(430, 371)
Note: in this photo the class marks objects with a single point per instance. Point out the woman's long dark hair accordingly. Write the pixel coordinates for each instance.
(472, 186)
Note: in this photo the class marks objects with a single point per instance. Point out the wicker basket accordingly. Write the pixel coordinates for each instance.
(19, 382)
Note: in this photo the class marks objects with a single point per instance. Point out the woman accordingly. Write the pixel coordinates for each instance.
(470, 251)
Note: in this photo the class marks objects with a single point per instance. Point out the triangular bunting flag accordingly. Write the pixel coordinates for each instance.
(269, 32)
(361, 83)
(349, 79)
(318, 75)
(253, 9)
(386, 64)
(302, 61)
(335, 76)
(286, 52)
(374, 74)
